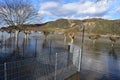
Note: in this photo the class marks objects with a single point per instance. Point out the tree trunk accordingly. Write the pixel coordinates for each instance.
(16, 33)
(112, 45)
(2, 35)
(10, 35)
(65, 39)
(16, 37)
(25, 36)
(28, 35)
(72, 37)
(94, 41)
(45, 36)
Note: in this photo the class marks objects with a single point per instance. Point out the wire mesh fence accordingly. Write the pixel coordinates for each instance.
(2, 72)
(53, 67)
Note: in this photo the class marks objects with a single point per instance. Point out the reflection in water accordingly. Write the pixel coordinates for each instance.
(8, 42)
(99, 62)
(42, 51)
(28, 48)
(113, 65)
(12, 47)
(45, 43)
(113, 53)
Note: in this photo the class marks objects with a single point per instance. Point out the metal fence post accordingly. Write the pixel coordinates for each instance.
(5, 71)
(82, 46)
(79, 60)
(55, 66)
(35, 48)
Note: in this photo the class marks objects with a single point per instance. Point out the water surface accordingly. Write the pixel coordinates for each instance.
(35, 58)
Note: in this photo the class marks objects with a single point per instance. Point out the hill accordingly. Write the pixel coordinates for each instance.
(97, 26)
(92, 26)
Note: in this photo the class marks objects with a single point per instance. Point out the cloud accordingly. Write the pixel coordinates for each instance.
(118, 10)
(77, 10)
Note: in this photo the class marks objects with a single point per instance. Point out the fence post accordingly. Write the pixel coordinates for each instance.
(35, 48)
(5, 71)
(79, 60)
(55, 66)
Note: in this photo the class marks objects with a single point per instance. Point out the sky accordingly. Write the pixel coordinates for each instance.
(78, 9)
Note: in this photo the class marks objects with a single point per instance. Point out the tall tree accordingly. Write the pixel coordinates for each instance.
(17, 12)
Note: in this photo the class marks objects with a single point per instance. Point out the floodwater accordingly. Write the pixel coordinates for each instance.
(34, 58)
(38, 59)
(101, 61)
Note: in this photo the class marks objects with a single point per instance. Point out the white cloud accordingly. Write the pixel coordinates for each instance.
(79, 10)
(118, 9)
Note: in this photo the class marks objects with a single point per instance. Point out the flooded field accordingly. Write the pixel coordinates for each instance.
(37, 58)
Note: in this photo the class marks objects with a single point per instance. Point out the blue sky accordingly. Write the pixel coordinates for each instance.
(78, 9)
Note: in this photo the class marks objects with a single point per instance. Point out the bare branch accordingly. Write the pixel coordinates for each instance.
(17, 12)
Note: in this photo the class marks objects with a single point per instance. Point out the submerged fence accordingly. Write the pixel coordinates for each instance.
(57, 66)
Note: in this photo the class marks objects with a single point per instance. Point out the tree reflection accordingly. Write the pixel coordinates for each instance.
(45, 43)
(113, 65)
(16, 50)
(2, 36)
(95, 47)
(9, 42)
(26, 46)
(112, 53)
(1, 40)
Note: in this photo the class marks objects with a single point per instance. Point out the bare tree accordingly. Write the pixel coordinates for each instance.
(16, 13)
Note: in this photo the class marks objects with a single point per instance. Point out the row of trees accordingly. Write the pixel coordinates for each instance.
(16, 13)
